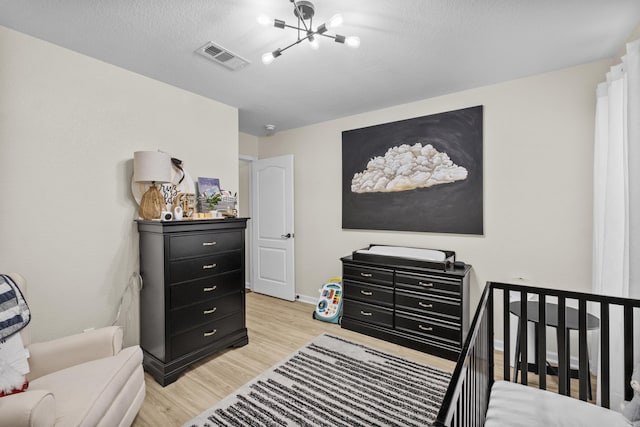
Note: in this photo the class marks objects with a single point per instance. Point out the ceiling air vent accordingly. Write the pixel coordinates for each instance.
(222, 56)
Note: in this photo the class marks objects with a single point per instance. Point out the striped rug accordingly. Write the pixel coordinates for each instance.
(334, 382)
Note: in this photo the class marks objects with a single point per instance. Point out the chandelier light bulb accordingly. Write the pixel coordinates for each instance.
(264, 20)
(315, 45)
(268, 58)
(352, 41)
(335, 21)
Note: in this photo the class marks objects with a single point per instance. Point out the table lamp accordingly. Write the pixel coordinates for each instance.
(151, 167)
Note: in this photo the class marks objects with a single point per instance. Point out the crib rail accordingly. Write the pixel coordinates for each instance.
(466, 400)
(467, 397)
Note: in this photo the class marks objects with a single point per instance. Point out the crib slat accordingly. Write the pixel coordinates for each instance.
(604, 355)
(628, 350)
(470, 376)
(524, 363)
(583, 356)
(467, 398)
(490, 340)
(506, 333)
(562, 347)
(541, 345)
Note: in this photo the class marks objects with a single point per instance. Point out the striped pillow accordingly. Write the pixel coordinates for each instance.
(14, 312)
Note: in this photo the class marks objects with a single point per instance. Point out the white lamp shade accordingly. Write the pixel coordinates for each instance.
(151, 166)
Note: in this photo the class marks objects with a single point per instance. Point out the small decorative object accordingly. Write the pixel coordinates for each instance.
(213, 200)
(229, 213)
(206, 188)
(228, 202)
(187, 201)
(169, 192)
(151, 167)
(631, 409)
(151, 204)
(177, 213)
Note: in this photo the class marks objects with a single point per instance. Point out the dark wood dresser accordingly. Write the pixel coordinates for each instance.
(192, 302)
(403, 302)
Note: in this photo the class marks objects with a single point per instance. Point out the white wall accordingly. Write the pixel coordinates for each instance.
(248, 144)
(69, 126)
(538, 143)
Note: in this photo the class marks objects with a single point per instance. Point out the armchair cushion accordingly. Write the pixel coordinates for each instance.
(61, 353)
(85, 393)
(33, 408)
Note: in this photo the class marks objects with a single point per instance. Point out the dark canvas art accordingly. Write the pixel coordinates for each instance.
(420, 174)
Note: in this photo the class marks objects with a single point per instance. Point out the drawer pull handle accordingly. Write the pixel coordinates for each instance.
(366, 274)
(208, 266)
(428, 284)
(366, 293)
(213, 310)
(425, 328)
(208, 243)
(213, 288)
(365, 313)
(208, 334)
(421, 304)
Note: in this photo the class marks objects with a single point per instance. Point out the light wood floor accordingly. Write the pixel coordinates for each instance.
(277, 328)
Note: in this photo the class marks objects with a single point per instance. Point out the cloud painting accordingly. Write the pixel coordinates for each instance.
(406, 168)
(422, 174)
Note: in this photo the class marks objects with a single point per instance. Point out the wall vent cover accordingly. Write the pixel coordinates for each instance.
(222, 56)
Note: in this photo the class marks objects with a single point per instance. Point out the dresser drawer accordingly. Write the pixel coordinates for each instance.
(368, 293)
(201, 244)
(194, 268)
(206, 334)
(204, 312)
(368, 313)
(428, 304)
(205, 289)
(381, 276)
(428, 284)
(428, 327)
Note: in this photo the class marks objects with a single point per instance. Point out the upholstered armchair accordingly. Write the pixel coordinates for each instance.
(86, 379)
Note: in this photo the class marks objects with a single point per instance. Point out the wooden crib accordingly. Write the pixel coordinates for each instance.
(472, 398)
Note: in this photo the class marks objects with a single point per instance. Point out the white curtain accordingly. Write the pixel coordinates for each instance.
(616, 210)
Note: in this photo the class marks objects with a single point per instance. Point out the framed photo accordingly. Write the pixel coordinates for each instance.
(208, 186)
(421, 174)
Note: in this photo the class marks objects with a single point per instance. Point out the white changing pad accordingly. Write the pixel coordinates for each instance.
(513, 405)
(401, 251)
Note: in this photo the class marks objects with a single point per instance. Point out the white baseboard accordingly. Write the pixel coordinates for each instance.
(307, 299)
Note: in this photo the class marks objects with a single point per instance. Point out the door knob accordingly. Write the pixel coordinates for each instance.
(286, 236)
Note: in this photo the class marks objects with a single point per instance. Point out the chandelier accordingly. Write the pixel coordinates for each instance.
(304, 11)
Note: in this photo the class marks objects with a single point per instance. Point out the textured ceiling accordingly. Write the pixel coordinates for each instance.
(410, 50)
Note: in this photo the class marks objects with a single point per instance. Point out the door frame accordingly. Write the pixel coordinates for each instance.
(249, 232)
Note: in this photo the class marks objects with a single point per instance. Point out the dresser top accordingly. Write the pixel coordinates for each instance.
(190, 225)
(393, 262)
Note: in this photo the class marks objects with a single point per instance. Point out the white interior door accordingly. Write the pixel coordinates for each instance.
(273, 232)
